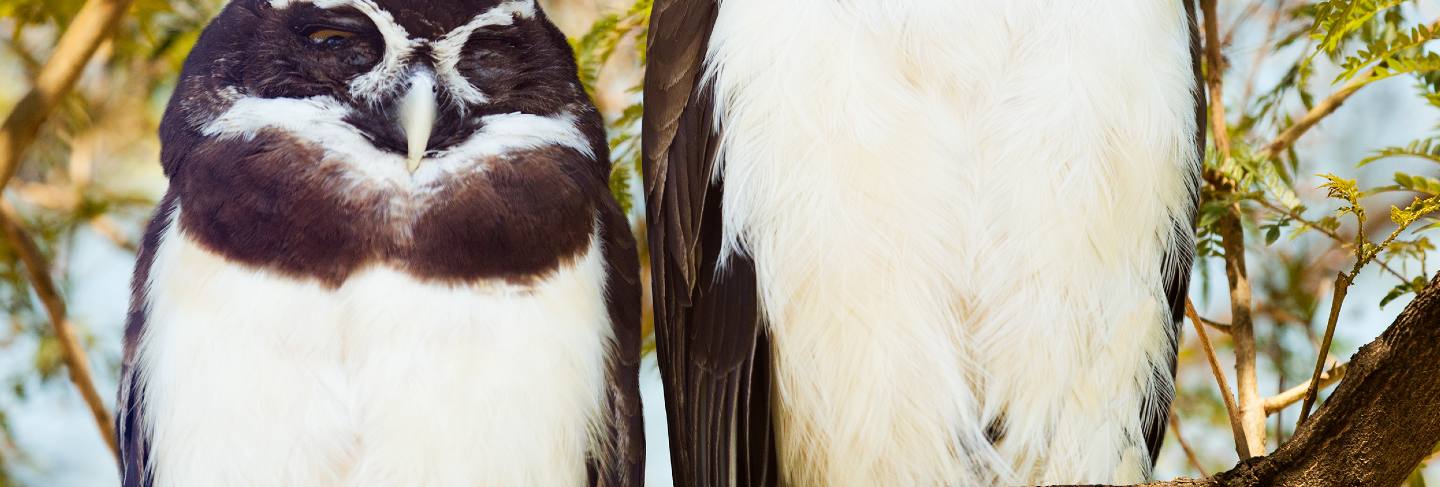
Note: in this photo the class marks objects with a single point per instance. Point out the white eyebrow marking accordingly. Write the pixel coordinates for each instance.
(448, 49)
(321, 121)
(385, 77)
(399, 47)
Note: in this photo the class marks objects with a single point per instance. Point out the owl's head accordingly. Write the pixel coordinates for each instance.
(385, 80)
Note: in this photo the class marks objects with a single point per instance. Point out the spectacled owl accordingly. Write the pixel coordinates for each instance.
(388, 255)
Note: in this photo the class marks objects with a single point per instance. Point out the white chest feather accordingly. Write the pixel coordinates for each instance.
(958, 211)
(254, 379)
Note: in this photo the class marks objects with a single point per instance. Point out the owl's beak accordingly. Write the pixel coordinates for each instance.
(417, 116)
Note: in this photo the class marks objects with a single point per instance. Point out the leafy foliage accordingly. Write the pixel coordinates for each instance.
(593, 52)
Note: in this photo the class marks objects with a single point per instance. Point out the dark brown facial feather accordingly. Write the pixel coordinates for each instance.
(523, 68)
(284, 63)
(432, 19)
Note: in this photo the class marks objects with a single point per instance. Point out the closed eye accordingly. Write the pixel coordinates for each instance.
(328, 36)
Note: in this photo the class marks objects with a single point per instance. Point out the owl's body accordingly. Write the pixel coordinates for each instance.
(965, 226)
(260, 379)
(313, 309)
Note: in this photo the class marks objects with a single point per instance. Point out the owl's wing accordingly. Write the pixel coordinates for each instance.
(624, 466)
(1155, 412)
(714, 357)
(133, 436)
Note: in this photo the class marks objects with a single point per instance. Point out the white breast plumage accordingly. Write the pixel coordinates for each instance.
(384, 380)
(958, 212)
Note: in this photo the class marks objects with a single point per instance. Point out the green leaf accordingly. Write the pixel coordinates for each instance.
(1427, 149)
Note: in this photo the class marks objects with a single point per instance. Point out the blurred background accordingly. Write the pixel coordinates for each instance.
(87, 185)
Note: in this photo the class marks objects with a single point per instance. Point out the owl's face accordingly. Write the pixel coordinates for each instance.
(411, 78)
(449, 138)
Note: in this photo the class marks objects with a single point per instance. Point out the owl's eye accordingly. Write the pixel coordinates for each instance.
(329, 38)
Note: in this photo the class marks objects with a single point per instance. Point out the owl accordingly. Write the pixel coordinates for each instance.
(388, 255)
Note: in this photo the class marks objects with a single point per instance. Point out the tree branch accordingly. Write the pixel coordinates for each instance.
(94, 23)
(1376, 427)
(1185, 445)
(1342, 287)
(76, 362)
(1232, 412)
(1294, 394)
(1242, 332)
(1232, 236)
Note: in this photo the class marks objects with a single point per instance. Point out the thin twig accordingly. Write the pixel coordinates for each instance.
(94, 23)
(1185, 445)
(1319, 111)
(1228, 38)
(1323, 109)
(1218, 326)
(1293, 395)
(1275, 15)
(1342, 287)
(76, 361)
(1214, 70)
(1294, 215)
(1241, 446)
(106, 227)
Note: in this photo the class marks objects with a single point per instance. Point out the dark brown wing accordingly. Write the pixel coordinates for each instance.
(624, 466)
(132, 436)
(1155, 417)
(714, 358)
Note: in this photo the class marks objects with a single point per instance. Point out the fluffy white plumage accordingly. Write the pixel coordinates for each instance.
(342, 383)
(957, 210)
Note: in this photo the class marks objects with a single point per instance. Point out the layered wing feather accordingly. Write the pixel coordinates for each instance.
(714, 357)
(130, 426)
(1155, 413)
(623, 461)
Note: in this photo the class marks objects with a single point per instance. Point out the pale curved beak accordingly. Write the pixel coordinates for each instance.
(417, 116)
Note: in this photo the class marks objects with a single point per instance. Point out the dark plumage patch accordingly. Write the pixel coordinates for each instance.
(622, 461)
(277, 203)
(133, 440)
(518, 219)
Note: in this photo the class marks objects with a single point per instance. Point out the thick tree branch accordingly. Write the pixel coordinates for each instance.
(92, 25)
(1379, 423)
(76, 363)
(1377, 426)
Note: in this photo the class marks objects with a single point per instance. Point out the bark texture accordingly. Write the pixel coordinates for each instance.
(1382, 420)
